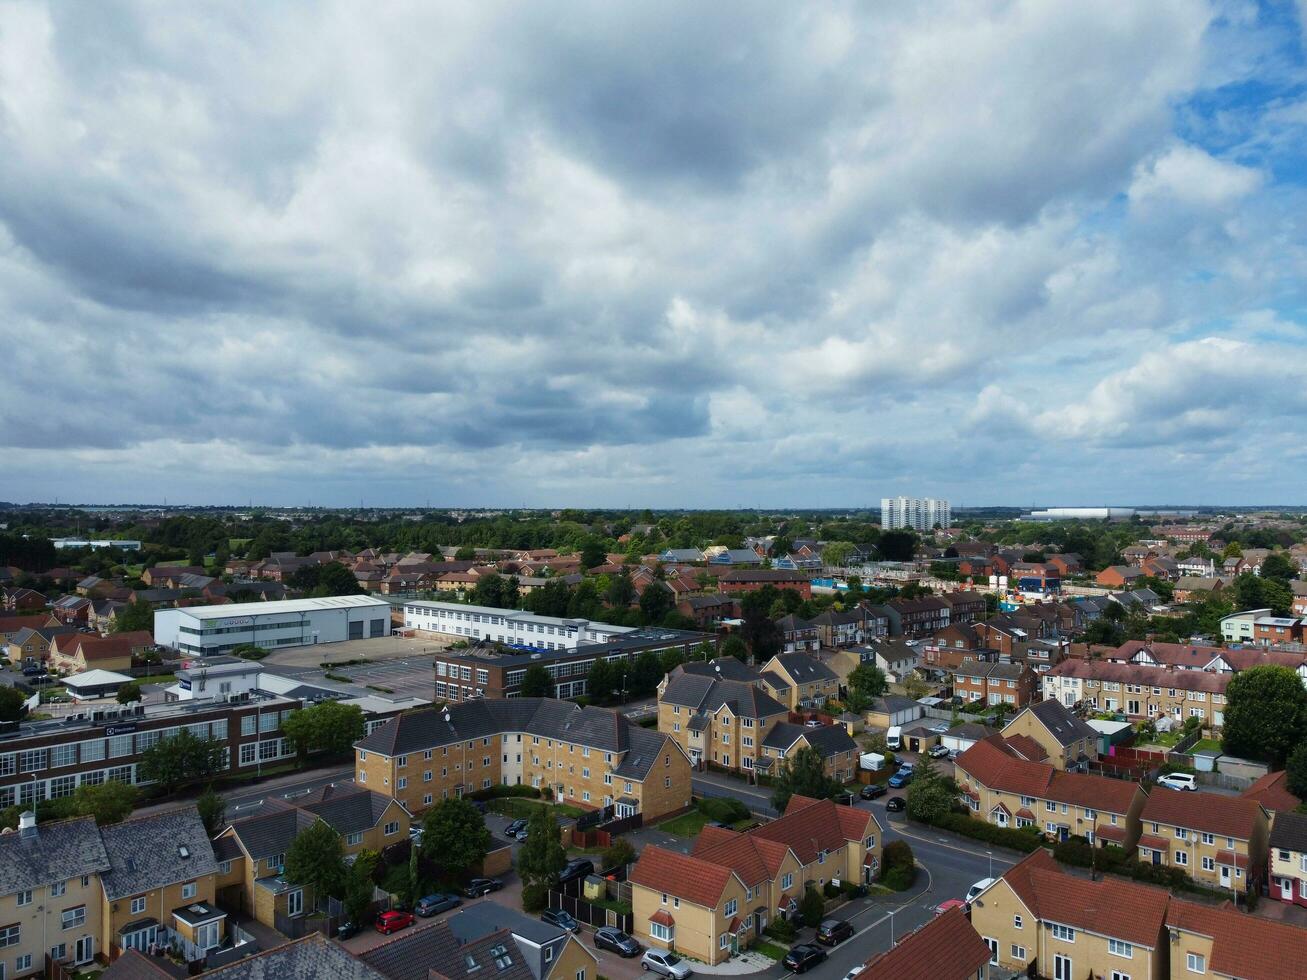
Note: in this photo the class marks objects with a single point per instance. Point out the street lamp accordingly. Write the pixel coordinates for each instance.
(891, 928)
(990, 855)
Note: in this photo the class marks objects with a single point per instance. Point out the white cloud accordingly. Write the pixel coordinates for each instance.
(1190, 176)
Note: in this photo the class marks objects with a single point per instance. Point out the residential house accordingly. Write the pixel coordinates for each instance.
(689, 556)
(1160, 567)
(716, 900)
(1118, 576)
(312, 956)
(917, 617)
(10, 625)
(1067, 927)
(1001, 634)
(32, 646)
(50, 894)
(71, 610)
(1068, 742)
(103, 614)
(166, 575)
(1221, 943)
(965, 607)
(736, 556)
(722, 718)
(1219, 841)
(1196, 566)
(740, 580)
(995, 683)
(838, 751)
(798, 635)
(1272, 792)
(486, 939)
(807, 681)
(23, 600)
(1001, 787)
(1141, 693)
(708, 610)
(839, 629)
(1191, 588)
(160, 885)
(75, 652)
(588, 757)
(1066, 564)
(1288, 858)
(945, 948)
(897, 658)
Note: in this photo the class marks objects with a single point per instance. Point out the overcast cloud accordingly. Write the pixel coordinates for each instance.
(658, 254)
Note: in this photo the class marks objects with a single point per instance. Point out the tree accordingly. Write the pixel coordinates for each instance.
(129, 692)
(619, 853)
(1296, 771)
(454, 834)
(656, 601)
(465, 553)
(212, 809)
(536, 682)
(868, 680)
(359, 885)
(316, 857)
(335, 579)
(1265, 714)
(328, 726)
(540, 858)
(621, 593)
(930, 795)
(132, 617)
(109, 802)
(812, 906)
(734, 646)
(11, 704)
(180, 760)
(914, 687)
(602, 680)
(1279, 567)
(1232, 550)
(837, 553)
(804, 774)
(897, 545)
(593, 554)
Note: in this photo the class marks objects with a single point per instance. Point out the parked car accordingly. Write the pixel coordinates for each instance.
(606, 937)
(950, 904)
(576, 868)
(1180, 781)
(975, 890)
(895, 804)
(521, 835)
(872, 791)
(900, 778)
(666, 964)
(812, 723)
(832, 932)
(514, 828)
(430, 905)
(347, 929)
(482, 886)
(940, 728)
(804, 957)
(557, 917)
(388, 922)
(938, 751)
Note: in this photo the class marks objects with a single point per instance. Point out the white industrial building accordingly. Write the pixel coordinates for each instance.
(208, 630)
(918, 513)
(509, 626)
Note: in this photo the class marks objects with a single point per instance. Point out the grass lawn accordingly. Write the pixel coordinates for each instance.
(519, 808)
(686, 825)
(769, 949)
(1206, 744)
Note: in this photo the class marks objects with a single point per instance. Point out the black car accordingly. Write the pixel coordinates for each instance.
(557, 917)
(576, 868)
(514, 828)
(431, 904)
(347, 929)
(872, 790)
(606, 937)
(482, 886)
(832, 932)
(895, 804)
(803, 957)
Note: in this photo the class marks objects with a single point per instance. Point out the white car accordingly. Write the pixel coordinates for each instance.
(975, 890)
(667, 964)
(1179, 780)
(855, 971)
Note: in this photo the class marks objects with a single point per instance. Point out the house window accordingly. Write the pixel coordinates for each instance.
(1018, 952)
(1117, 948)
(660, 932)
(25, 898)
(732, 907)
(188, 890)
(9, 936)
(1064, 933)
(1209, 864)
(787, 881)
(355, 838)
(58, 888)
(724, 940)
(1195, 962)
(1181, 858)
(1016, 922)
(391, 828)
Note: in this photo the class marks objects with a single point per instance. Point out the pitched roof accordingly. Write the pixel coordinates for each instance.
(993, 766)
(809, 826)
(1060, 722)
(1244, 946)
(725, 668)
(132, 965)
(708, 694)
(1146, 674)
(269, 832)
(313, 956)
(691, 879)
(945, 948)
(1272, 792)
(160, 849)
(1290, 832)
(60, 850)
(804, 669)
(1229, 816)
(346, 808)
(828, 739)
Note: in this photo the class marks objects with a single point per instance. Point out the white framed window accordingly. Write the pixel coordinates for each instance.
(1118, 948)
(1016, 922)
(138, 905)
(1018, 952)
(1181, 858)
(1064, 933)
(188, 890)
(732, 907)
(661, 932)
(1195, 962)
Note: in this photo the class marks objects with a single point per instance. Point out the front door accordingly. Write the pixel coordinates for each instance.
(1157, 857)
(295, 902)
(83, 950)
(993, 950)
(1225, 876)
(1286, 889)
(1061, 967)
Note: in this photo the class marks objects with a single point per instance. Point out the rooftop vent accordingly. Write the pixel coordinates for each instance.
(183, 851)
(27, 825)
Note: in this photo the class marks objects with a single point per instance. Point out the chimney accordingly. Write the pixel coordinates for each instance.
(27, 825)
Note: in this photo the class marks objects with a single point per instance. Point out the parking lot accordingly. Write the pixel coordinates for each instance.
(378, 648)
(407, 678)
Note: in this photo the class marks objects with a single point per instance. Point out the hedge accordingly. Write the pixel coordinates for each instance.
(1077, 851)
(1026, 839)
(500, 791)
(898, 868)
(723, 810)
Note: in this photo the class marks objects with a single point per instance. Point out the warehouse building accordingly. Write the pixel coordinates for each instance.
(210, 630)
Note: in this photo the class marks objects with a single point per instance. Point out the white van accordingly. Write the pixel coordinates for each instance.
(894, 738)
(975, 890)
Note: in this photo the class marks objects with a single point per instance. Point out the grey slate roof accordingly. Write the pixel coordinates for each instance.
(1289, 832)
(59, 851)
(828, 739)
(647, 746)
(1065, 726)
(726, 668)
(805, 669)
(147, 852)
(269, 832)
(226, 849)
(313, 956)
(705, 694)
(347, 808)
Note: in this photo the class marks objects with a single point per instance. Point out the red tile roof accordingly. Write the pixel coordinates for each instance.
(1026, 747)
(994, 768)
(1124, 673)
(688, 878)
(1119, 909)
(1229, 816)
(946, 948)
(809, 826)
(1154, 843)
(1244, 946)
(1272, 793)
(663, 918)
(1231, 859)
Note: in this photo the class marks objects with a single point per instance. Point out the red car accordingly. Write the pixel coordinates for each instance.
(388, 922)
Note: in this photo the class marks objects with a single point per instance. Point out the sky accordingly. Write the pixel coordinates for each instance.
(677, 255)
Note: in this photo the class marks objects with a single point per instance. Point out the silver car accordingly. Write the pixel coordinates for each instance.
(666, 964)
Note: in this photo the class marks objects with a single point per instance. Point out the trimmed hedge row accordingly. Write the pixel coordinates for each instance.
(723, 809)
(1026, 839)
(499, 792)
